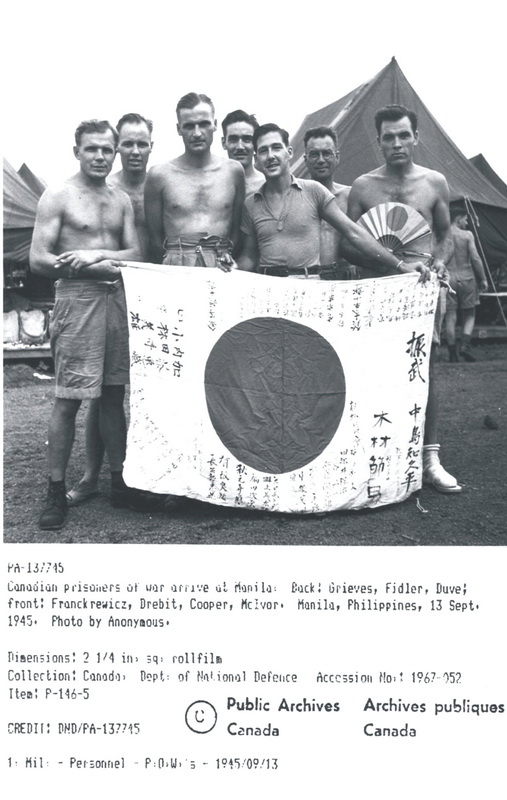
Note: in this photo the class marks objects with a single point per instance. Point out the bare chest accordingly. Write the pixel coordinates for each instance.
(92, 215)
(416, 194)
(199, 192)
(137, 200)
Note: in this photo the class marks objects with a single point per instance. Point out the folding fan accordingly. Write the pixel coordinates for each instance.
(399, 228)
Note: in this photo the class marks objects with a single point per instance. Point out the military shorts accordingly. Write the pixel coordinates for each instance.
(89, 337)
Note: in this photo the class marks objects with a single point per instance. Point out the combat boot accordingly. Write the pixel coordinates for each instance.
(453, 353)
(54, 512)
(465, 349)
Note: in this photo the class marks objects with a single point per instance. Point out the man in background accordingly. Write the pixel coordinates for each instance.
(467, 278)
(238, 129)
(134, 147)
(322, 157)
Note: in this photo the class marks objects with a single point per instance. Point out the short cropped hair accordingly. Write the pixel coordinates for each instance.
(457, 211)
(134, 119)
(269, 127)
(239, 116)
(320, 132)
(192, 99)
(393, 113)
(95, 126)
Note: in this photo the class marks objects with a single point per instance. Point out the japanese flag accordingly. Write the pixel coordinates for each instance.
(275, 393)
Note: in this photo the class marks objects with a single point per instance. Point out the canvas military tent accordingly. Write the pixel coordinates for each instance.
(20, 206)
(487, 170)
(31, 180)
(352, 117)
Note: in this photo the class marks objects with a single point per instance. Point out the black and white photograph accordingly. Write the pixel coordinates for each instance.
(255, 341)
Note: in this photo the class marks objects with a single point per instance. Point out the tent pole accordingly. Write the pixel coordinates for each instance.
(472, 216)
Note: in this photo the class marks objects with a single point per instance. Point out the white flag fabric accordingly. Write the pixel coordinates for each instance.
(275, 393)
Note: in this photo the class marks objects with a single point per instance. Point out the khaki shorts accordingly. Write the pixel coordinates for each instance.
(89, 338)
(467, 293)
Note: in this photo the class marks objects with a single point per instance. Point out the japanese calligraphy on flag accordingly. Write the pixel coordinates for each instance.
(275, 393)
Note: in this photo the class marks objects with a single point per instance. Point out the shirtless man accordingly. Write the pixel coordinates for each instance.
(401, 180)
(467, 277)
(238, 129)
(193, 211)
(193, 203)
(322, 157)
(282, 220)
(83, 230)
(134, 147)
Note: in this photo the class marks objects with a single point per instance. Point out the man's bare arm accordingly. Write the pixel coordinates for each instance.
(249, 258)
(477, 265)
(443, 247)
(154, 215)
(46, 232)
(239, 198)
(355, 205)
(130, 237)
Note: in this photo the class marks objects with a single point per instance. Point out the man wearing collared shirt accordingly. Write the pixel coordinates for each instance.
(282, 220)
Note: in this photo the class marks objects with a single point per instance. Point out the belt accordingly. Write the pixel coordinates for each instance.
(198, 244)
(324, 271)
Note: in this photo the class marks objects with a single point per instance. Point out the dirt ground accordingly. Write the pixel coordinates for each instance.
(473, 450)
